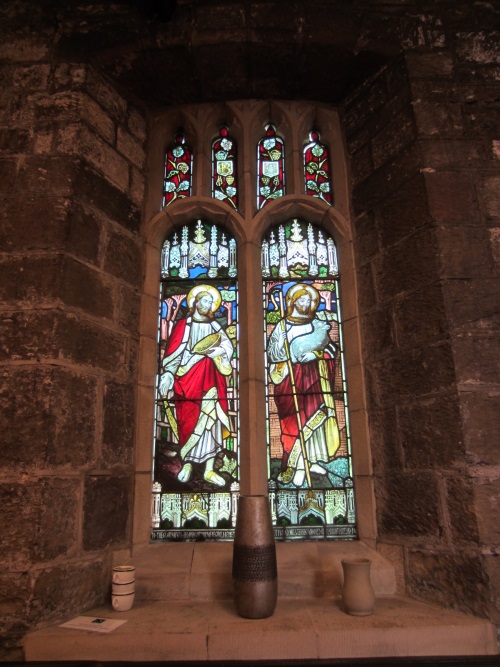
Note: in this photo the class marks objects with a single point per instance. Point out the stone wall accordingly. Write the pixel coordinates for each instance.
(422, 135)
(71, 185)
(424, 159)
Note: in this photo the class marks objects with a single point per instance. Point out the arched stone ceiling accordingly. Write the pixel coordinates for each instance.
(167, 52)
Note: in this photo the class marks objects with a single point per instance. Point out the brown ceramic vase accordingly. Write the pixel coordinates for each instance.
(255, 579)
(357, 591)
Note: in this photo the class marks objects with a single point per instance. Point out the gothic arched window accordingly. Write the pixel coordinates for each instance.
(317, 169)
(270, 167)
(196, 463)
(225, 168)
(309, 452)
(177, 181)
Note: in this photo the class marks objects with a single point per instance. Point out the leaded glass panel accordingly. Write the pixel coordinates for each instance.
(178, 174)
(196, 462)
(271, 167)
(309, 450)
(225, 168)
(317, 169)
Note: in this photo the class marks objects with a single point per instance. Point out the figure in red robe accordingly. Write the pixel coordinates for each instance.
(302, 368)
(196, 363)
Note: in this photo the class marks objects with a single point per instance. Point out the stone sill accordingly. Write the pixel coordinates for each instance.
(316, 629)
(184, 611)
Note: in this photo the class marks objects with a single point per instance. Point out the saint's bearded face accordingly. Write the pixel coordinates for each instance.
(204, 305)
(303, 305)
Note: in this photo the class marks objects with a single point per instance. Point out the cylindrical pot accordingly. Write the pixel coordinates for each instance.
(255, 578)
(357, 591)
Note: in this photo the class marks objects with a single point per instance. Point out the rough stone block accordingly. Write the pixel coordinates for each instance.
(107, 511)
(57, 531)
(8, 172)
(68, 589)
(31, 77)
(124, 258)
(136, 123)
(403, 211)
(44, 175)
(97, 119)
(473, 302)
(438, 118)
(480, 47)
(384, 440)
(486, 500)
(490, 190)
(104, 158)
(480, 102)
(361, 164)
(465, 252)
(408, 507)
(106, 96)
(366, 241)
(451, 197)
(367, 298)
(94, 189)
(452, 153)
(385, 180)
(30, 512)
(480, 412)
(96, 298)
(366, 101)
(129, 309)
(420, 315)
(137, 186)
(15, 141)
(430, 65)
(449, 579)
(393, 138)
(71, 338)
(378, 333)
(431, 433)
(118, 431)
(50, 418)
(477, 359)
(460, 504)
(419, 371)
(407, 266)
(130, 148)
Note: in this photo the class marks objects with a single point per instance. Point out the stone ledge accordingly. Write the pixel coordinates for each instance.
(202, 570)
(314, 629)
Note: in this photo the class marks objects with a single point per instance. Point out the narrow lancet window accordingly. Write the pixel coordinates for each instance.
(196, 460)
(271, 167)
(178, 177)
(309, 450)
(225, 168)
(317, 173)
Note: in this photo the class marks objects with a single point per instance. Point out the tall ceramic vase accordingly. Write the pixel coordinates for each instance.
(357, 591)
(255, 578)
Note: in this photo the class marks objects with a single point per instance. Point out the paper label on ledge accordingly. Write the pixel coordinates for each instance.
(93, 624)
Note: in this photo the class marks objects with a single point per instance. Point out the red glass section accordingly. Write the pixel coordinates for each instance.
(271, 167)
(177, 182)
(225, 168)
(317, 169)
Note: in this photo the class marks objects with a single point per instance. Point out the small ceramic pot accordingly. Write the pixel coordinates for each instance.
(122, 602)
(357, 591)
(123, 574)
(123, 589)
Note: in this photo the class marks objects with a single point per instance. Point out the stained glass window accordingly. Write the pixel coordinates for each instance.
(270, 166)
(317, 169)
(196, 466)
(225, 168)
(178, 176)
(309, 451)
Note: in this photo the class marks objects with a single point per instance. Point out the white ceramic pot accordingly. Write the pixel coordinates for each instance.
(123, 574)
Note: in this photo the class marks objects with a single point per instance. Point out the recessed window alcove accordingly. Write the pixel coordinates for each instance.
(247, 123)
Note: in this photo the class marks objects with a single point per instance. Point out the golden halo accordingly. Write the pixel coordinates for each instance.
(214, 293)
(312, 291)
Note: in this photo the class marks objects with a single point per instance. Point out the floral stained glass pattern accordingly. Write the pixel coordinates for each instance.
(270, 165)
(225, 168)
(317, 169)
(177, 182)
(196, 463)
(309, 450)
